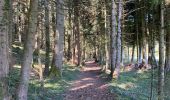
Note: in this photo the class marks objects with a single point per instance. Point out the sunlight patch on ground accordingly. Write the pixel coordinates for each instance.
(125, 86)
(103, 86)
(84, 79)
(81, 87)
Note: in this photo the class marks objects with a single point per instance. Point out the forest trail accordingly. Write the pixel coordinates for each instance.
(90, 85)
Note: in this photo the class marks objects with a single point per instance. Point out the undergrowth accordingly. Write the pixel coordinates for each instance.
(53, 87)
(134, 86)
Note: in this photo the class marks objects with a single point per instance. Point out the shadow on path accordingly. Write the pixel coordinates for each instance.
(89, 85)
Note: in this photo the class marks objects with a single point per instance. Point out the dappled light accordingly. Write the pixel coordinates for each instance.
(84, 49)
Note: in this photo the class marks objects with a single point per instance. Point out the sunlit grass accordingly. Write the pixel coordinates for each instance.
(53, 88)
(133, 86)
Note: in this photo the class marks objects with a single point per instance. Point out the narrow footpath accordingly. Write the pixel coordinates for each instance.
(89, 85)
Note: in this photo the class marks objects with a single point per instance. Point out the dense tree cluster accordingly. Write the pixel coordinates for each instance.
(110, 31)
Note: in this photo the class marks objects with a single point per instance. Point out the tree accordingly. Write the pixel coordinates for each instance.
(167, 36)
(47, 37)
(107, 37)
(118, 42)
(4, 52)
(77, 32)
(161, 54)
(28, 51)
(59, 42)
(113, 38)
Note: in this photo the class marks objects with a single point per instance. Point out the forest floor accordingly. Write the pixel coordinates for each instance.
(90, 85)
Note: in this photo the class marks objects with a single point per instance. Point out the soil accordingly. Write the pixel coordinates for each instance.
(90, 85)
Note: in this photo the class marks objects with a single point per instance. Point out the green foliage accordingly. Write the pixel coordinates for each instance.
(17, 52)
(155, 3)
(13, 81)
(55, 72)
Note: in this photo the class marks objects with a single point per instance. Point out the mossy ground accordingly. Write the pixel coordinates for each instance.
(136, 85)
(53, 87)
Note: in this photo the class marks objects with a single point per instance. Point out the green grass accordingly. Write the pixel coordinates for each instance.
(133, 86)
(53, 87)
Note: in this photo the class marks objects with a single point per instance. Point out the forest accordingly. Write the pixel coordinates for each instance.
(84, 49)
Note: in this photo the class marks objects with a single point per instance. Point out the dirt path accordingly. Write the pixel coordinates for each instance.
(89, 86)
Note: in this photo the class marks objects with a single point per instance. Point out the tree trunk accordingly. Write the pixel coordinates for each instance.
(10, 32)
(59, 44)
(113, 38)
(77, 32)
(168, 36)
(47, 38)
(118, 43)
(73, 46)
(144, 38)
(28, 51)
(161, 55)
(133, 52)
(128, 53)
(69, 47)
(69, 53)
(4, 53)
(107, 38)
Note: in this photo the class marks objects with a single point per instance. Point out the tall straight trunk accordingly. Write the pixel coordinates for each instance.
(47, 38)
(10, 31)
(168, 36)
(77, 32)
(143, 24)
(137, 30)
(140, 51)
(69, 47)
(161, 55)
(73, 46)
(4, 53)
(69, 31)
(133, 53)
(84, 49)
(59, 44)
(128, 53)
(119, 42)
(28, 51)
(107, 38)
(113, 37)
(122, 43)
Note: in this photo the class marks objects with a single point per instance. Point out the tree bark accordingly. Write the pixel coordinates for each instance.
(10, 32)
(28, 51)
(107, 38)
(133, 52)
(168, 36)
(4, 52)
(113, 38)
(118, 42)
(161, 55)
(59, 42)
(47, 38)
(77, 32)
